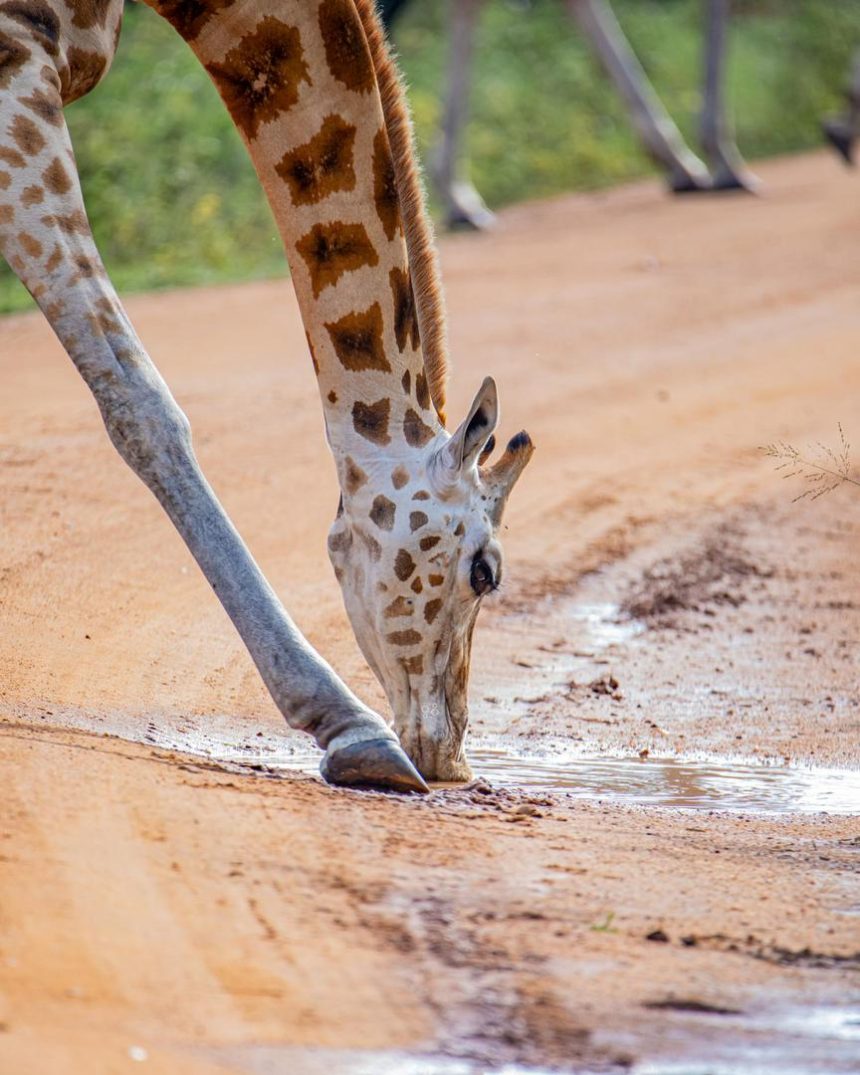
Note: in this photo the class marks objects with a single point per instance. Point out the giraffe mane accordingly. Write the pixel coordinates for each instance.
(420, 244)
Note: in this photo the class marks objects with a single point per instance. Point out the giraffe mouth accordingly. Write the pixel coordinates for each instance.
(434, 729)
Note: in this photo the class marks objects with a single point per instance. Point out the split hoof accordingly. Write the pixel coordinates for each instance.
(373, 763)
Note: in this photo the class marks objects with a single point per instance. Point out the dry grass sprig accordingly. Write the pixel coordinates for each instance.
(823, 472)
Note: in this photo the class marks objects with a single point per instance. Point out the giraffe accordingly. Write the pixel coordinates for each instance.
(685, 171)
(318, 102)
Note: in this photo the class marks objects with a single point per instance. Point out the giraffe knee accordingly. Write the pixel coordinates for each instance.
(144, 422)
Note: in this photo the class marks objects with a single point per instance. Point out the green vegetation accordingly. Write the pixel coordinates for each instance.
(173, 198)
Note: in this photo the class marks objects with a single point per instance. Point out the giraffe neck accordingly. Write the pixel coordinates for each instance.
(298, 79)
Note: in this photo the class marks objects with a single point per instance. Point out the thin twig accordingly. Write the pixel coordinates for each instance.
(815, 472)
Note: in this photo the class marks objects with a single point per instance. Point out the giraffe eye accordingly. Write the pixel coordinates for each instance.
(481, 576)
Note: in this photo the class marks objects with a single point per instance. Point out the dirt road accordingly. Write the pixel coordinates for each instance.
(665, 597)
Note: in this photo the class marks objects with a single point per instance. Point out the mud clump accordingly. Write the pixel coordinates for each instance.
(713, 575)
(679, 1004)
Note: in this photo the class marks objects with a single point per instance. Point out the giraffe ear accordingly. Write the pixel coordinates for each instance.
(471, 438)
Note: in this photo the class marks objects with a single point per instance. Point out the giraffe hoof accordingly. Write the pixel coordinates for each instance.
(736, 180)
(374, 763)
(689, 184)
(840, 139)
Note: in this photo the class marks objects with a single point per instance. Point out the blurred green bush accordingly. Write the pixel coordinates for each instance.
(173, 198)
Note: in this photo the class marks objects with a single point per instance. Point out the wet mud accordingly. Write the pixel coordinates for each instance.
(655, 868)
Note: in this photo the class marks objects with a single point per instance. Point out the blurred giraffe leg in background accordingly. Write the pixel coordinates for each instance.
(464, 206)
(728, 170)
(657, 132)
(843, 130)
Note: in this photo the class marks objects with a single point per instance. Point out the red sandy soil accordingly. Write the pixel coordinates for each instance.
(222, 919)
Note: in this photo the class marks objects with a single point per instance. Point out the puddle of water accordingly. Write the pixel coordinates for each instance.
(836, 1024)
(689, 784)
(811, 1041)
(669, 782)
(602, 625)
(276, 1060)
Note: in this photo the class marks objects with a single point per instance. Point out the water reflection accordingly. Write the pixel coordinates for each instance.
(692, 785)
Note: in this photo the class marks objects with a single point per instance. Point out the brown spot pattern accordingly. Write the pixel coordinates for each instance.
(413, 666)
(357, 340)
(370, 420)
(354, 476)
(54, 260)
(417, 519)
(431, 609)
(32, 196)
(417, 585)
(85, 70)
(7, 214)
(415, 431)
(399, 477)
(47, 105)
(188, 17)
(13, 56)
(330, 250)
(36, 17)
(406, 381)
(435, 580)
(32, 247)
(332, 397)
(323, 165)
(262, 75)
(89, 12)
(400, 606)
(12, 157)
(27, 135)
(404, 565)
(428, 543)
(422, 494)
(409, 637)
(385, 196)
(373, 546)
(422, 392)
(405, 315)
(346, 50)
(86, 267)
(56, 178)
(382, 512)
(339, 541)
(5, 180)
(74, 223)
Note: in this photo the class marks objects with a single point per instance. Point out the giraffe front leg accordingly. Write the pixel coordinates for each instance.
(45, 236)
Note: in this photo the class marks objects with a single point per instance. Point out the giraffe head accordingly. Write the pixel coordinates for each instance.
(415, 548)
